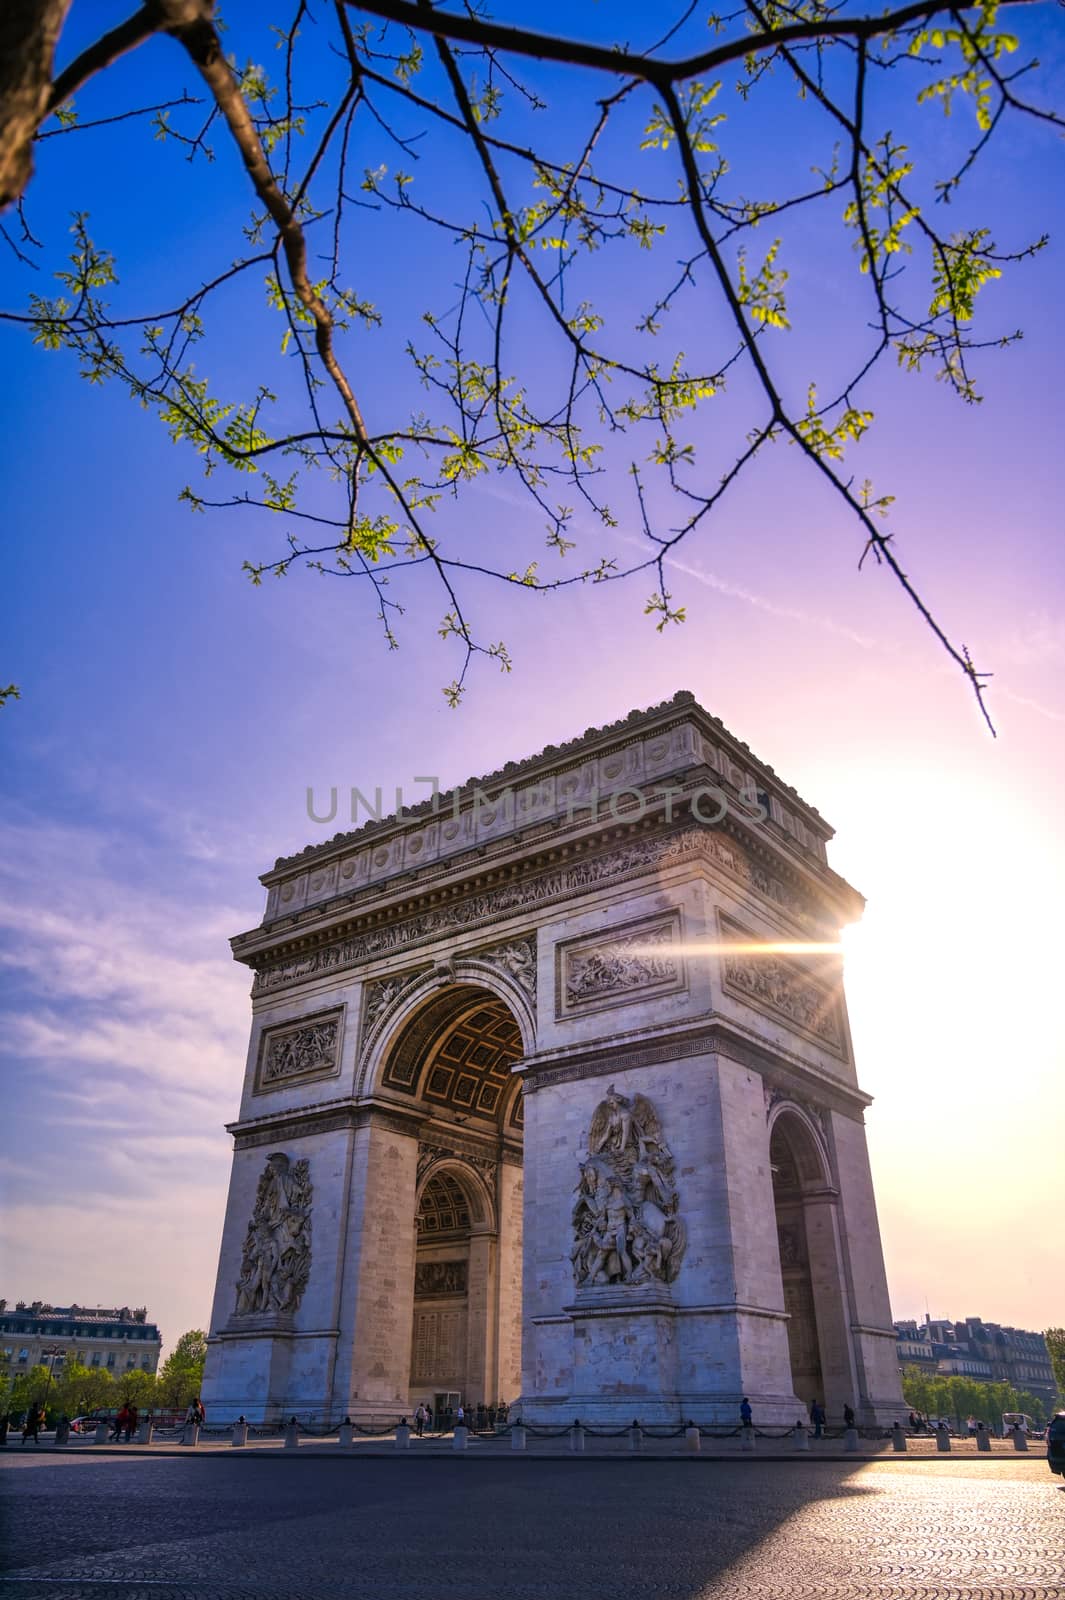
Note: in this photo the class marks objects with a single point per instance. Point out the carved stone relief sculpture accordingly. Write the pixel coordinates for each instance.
(309, 1048)
(276, 1262)
(625, 1221)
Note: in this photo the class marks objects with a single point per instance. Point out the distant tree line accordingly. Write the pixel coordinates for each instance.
(959, 1398)
(74, 1390)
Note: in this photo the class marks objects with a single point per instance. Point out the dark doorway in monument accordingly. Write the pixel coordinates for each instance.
(454, 1057)
(811, 1264)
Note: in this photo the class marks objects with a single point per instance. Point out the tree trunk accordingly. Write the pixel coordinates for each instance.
(29, 30)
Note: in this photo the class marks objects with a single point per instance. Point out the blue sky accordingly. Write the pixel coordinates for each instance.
(173, 716)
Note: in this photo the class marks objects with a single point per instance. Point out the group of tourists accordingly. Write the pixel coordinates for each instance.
(481, 1418)
(818, 1416)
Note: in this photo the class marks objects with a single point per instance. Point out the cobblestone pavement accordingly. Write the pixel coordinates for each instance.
(399, 1528)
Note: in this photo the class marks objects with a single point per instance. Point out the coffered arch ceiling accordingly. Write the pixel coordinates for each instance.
(458, 1052)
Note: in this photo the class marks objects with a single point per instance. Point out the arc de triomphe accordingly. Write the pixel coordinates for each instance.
(534, 1108)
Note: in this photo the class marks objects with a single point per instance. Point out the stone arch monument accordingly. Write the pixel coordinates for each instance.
(550, 1098)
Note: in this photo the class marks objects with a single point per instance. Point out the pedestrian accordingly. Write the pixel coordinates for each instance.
(131, 1422)
(428, 1417)
(460, 1417)
(121, 1419)
(848, 1416)
(192, 1415)
(746, 1414)
(419, 1421)
(5, 1423)
(913, 1422)
(32, 1425)
(970, 1426)
(817, 1417)
(201, 1411)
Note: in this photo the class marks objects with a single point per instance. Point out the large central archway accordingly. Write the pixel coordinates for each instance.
(453, 1055)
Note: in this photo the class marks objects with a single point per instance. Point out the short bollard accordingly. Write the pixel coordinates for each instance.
(635, 1437)
(942, 1438)
(240, 1434)
(898, 1437)
(191, 1433)
(1020, 1439)
(983, 1439)
(461, 1437)
(145, 1431)
(403, 1435)
(102, 1431)
(576, 1436)
(799, 1437)
(747, 1438)
(347, 1434)
(517, 1437)
(692, 1442)
(292, 1434)
(850, 1439)
(62, 1431)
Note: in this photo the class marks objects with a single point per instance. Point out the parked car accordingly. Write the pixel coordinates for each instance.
(87, 1424)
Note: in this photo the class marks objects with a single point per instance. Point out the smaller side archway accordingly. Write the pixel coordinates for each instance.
(455, 1332)
(811, 1263)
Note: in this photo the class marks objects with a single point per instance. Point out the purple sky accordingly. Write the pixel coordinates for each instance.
(173, 717)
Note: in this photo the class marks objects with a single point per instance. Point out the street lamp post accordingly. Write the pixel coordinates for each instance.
(52, 1352)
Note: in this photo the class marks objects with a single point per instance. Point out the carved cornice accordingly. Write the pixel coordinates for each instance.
(701, 1038)
(252, 1132)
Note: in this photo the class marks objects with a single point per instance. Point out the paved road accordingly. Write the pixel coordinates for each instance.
(461, 1529)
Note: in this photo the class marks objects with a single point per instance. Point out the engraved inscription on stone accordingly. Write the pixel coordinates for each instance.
(438, 1341)
(638, 960)
(625, 1222)
(309, 1048)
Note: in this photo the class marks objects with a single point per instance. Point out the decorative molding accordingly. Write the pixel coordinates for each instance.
(779, 1094)
(782, 986)
(633, 961)
(431, 1152)
(640, 854)
(300, 1051)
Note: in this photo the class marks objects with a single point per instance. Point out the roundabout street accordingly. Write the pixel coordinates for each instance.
(400, 1528)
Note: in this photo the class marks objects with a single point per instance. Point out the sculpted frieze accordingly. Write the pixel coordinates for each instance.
(638, 959)
(276, 1259)
(439, 1278)
(625, 1217)
(308, 1048)
(782, 985)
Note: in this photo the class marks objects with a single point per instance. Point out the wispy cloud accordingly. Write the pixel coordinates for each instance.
(124, 1030)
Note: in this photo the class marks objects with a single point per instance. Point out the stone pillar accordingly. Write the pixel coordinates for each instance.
(508, 1280)
(838, 1370)
(403, 1436)
(800, 1438)
(377, 1302)
(191, 1434)
(692, 1442)
(983, 1439)
(145, 1431)
(103, 1430)
(1020, 1441)
(576, 1437)
(62, 1432)
(747, 1438)
(636, 1437)
(482, 1302)
(240, 1434)
(898, 1437)
(942, 1438)
(292, 1434)
(850, 1440)
(517, 1437)
(346, 1436)
(460, 1438)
